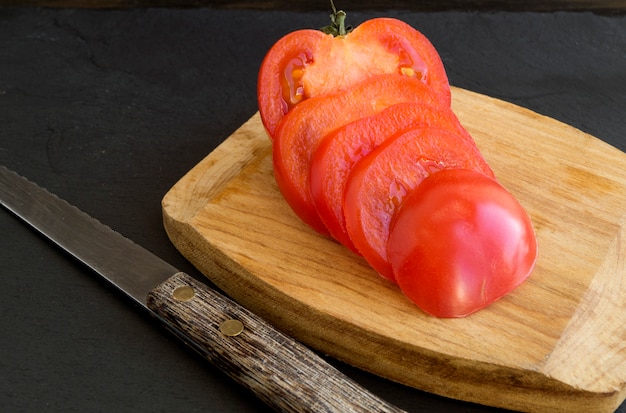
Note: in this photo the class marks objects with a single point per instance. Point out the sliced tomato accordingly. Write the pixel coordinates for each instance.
(459, 242)
(381, 180)
(302, 129)
(308, 63)
(280, 85)
(340, 150)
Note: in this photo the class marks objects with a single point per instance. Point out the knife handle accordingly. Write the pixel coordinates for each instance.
(279, 370)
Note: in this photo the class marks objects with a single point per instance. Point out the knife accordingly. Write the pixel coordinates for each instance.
(280, 371)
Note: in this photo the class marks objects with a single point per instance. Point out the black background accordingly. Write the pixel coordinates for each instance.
(108, 109)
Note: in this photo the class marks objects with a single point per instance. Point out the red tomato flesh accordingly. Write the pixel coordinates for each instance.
(339, 151)
(308, 63)
(459, 242)
(306, 124)
(381, 180)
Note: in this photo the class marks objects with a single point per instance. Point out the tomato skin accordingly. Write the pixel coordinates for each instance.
(340, 150)
(307, 123)
(308, 63)
(381, 180)
(459, 242)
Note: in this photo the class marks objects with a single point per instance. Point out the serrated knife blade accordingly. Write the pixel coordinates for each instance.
(283, 373)
(131, 268)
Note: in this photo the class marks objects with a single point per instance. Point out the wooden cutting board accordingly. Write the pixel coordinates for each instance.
(557, 343)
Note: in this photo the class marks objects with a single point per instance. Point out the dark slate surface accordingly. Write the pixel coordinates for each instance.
(109, 108)
(602, 6)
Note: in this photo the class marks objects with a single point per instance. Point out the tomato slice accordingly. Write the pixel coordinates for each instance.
(340, 150)
(279, 85)
(380, 181)
(306, 124)
(308, 63)
(459, 242)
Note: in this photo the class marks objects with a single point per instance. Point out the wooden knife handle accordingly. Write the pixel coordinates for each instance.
(280, 371)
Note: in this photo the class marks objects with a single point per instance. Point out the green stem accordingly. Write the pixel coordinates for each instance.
(338, 26)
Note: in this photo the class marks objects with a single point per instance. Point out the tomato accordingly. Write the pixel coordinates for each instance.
(340, 150)
(379, 182)
(302, 129)
(366, 149)
(459, 242)
(308, 63)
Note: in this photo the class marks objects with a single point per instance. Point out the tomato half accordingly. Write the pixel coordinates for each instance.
(308, 63)
(339, 151)
(459, 242)
(302, 129)
(381, 180)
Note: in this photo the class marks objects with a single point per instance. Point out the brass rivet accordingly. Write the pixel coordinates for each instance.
(183, 293)
(231, 327)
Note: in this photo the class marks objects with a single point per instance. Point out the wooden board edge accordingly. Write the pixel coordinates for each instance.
(596, 328)
(218, 168)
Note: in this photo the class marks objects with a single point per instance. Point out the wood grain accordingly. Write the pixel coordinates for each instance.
(283, 373)
(554, 344)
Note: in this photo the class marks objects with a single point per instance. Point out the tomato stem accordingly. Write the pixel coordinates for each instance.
(338, 26)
